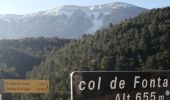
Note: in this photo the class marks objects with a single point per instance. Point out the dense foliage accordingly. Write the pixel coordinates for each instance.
(19, 56)
(141, 43)
(35, 46)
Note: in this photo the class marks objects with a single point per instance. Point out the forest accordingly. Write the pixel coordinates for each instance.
(136, 44)
(17, 57)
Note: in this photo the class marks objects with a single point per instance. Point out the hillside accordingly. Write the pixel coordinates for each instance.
(63, 21)
(140, 43)
(19, 56)
(34, 46)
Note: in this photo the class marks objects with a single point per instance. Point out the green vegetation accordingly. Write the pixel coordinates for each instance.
(19, 56)
(34, 46)
(141, 43)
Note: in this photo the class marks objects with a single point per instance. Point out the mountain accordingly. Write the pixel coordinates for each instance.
(68, 21)
(140, 43)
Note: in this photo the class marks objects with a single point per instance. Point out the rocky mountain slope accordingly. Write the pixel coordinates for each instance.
(68, 21)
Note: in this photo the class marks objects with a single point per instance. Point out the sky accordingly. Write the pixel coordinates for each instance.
(30, 6)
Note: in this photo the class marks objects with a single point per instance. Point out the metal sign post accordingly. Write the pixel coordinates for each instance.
(1, 85)
(0, 96)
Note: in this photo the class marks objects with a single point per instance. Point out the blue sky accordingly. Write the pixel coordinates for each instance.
(30, 6)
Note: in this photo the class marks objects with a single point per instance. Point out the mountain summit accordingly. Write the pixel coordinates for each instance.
(69, 21)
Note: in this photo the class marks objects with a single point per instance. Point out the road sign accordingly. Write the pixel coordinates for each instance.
(153, 85)
(24, 86)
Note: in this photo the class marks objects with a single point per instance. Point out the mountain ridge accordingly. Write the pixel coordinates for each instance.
(60, 22)
(138, 44)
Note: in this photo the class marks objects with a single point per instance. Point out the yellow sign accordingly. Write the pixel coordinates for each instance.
(25, 86)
